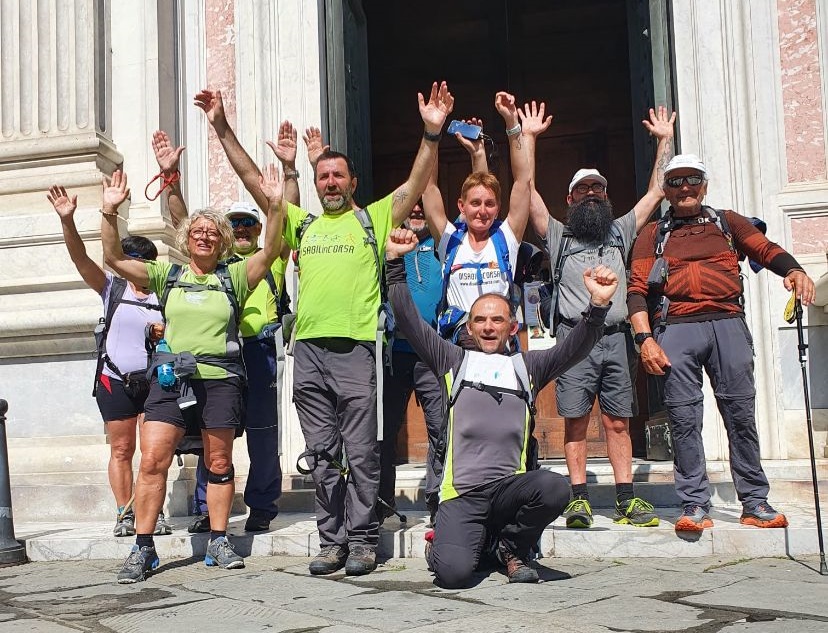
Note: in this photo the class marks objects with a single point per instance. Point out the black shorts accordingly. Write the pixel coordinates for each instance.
(113, 401)
(219, 403)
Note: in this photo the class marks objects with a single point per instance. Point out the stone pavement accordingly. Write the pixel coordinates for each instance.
(701, 595)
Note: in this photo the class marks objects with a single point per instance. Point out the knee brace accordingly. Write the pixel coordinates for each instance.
(226, 478)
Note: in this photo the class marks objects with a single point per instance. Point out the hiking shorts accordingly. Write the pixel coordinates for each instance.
(218, 405)
(608, 372)
(114, 403)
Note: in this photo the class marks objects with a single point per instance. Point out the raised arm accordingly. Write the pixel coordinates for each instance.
(285, 150)
(661, 126)
(315, 146)
(476, 148)
(114, 193)
(433, 206)
(272, 186)
(440, 355)
(90, 272)
(521, 169)
(168, 157)
(533, 124)
(433, 113)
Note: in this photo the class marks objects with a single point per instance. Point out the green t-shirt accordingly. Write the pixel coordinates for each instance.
(339, 290)
(198, 322)
(260, 307)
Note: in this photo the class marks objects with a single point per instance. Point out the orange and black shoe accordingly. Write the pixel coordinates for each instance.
(763, 516)
(694, 519)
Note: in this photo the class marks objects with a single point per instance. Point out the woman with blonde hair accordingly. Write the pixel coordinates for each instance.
(200, 301)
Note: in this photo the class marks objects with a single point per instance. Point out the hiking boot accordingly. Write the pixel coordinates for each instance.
(635, 512)
(694, 519)
(578, 514)
(162, 527)
(200, 524)
(362, 560)
(220, 553)
(429, 546)
(258, 521)
(140, 562)
(329, 559)
(763, 516)
(517, 570)
(124, 525)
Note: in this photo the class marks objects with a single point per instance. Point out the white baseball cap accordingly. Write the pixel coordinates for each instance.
(685, 161)
(243, 208)
(583, 174)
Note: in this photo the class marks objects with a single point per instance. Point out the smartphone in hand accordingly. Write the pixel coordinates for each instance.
(467, 130)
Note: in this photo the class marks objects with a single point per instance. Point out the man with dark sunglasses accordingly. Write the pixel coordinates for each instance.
(685, 282)
(592, 236)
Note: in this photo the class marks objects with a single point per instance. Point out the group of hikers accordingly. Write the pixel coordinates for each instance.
(395, 298)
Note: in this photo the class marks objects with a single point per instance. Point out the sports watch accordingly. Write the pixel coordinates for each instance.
(641, 337)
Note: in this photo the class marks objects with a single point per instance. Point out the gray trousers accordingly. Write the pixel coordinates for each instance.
(724, 348)
(410, 374)
(335, 392)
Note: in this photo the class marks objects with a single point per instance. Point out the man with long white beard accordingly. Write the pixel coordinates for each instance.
(592, 236)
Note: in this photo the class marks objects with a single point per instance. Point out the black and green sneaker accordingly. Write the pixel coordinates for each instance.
(578, 514)
(635, 512)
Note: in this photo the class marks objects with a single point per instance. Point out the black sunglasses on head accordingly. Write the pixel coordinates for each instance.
(677, 181)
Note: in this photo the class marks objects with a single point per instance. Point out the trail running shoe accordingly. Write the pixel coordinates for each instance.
(517, 569)
(429, 546)
(329, 559)
(200, 524)
(578, 514)
(220, 553)
(694, 519)
(139, 563)
(124, 525)
(162, 527)
(362, 559)
(763, 516)
(635, 512)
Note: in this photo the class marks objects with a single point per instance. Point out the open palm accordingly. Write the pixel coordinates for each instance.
(439, 106)
(63, 204)
(115, 190)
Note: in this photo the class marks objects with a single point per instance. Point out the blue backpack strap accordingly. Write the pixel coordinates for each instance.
(455, 239)
(502, 250)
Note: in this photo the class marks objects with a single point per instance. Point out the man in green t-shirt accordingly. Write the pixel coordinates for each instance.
(261, 314)
(334, 386)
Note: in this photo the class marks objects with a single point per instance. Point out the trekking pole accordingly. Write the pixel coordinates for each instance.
(790, 316)
(12, 552)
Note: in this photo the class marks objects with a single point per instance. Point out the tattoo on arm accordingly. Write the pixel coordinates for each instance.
(399, 196)
(664, 157)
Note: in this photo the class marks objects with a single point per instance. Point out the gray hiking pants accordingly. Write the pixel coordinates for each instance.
(335, 392)
(410, 374)
(724, 348)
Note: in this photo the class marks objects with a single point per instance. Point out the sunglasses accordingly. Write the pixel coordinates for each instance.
(595, 187)
(677, 181)
(247, 222)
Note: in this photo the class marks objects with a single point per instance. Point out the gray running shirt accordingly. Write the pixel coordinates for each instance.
(573, 295)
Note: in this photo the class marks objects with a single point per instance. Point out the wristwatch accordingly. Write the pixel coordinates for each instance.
(641, 337)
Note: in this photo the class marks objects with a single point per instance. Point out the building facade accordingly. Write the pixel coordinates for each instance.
(84, 83)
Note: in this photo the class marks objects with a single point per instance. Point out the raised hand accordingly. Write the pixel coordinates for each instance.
(271, 184)
(660, 124)
(439, 106)
(285, 145)
(505, 106)
(400, 241)
(313, 141)
(212, 105)
(532, 119)
(601, 283)
(114, 191)
(472, 147)
(167, 155)
(63, 204)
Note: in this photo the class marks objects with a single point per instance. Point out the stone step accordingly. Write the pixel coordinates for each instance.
(294, 534)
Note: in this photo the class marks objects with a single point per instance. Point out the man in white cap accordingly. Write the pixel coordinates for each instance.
(593, 236)
(685, 304)
(261, 313)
